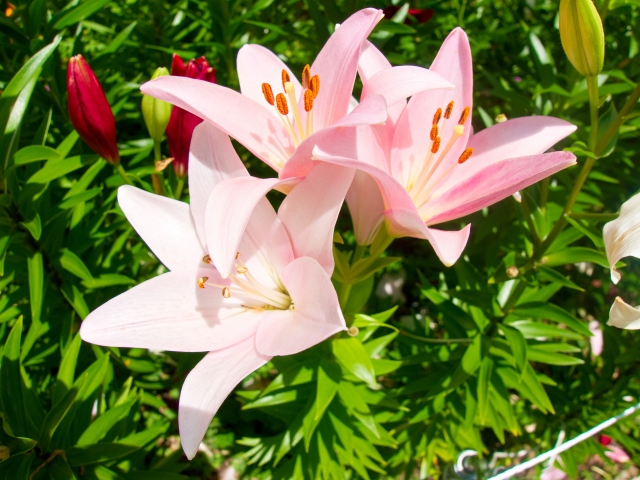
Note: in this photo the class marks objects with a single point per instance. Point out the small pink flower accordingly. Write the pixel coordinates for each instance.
(182, 122)
(422, 15)
(277, 299)
(617, 454)
(427, 167)
(604, 440)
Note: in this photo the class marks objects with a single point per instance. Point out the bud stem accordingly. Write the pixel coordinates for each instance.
(179, 188)
(120, 169)
(594, 100)
(157, 178)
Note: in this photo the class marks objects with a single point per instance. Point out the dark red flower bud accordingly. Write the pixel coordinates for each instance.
(90, 111)
(604, 440)
(182, 123)
(422, 15)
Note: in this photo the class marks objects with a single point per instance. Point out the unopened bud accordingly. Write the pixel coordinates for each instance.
(582, 35)
(156, 113)
(353, 331)
(512, 271)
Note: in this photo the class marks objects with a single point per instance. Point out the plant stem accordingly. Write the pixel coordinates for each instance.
(120, 169)
(156, 178)
(619, 120)
(345, 291)
(179, 188)
(527, 216)
(601, 217)
(594, 100)
(436, 340)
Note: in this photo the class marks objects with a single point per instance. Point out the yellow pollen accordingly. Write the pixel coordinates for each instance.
(306, 76)
(242, 270)
(268, 93)
(314, 85)
(226, 293)
(464, 115)
(281, 103)
(206, 259)
(308, 100)
(447, 112)
(465, 155)
(434, 132)
(436, 145)
(437, 116)
(202, 281)
(285, 77)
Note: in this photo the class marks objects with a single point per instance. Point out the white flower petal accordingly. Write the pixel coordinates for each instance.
(623, 315)
(622, 235)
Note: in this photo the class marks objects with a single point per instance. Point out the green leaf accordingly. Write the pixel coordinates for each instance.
(54, 169)
(101, 425)
(74, 264)
(366, 267)
(16, 467)
(98, 453)
(16, 445)
(552, 275)
(36, 285)
(59, 469)
(542, 355)
(119, 39)
(34, 226)
(35, 153)
(58, 412)
(575, 255)
(11, 383)
(518, 345)
(604, 122)
(76, 299)
(594, 235)
(352, 355)
(79, 13)
(329, 375)
(67, 370)
(484, 377)
(542, 330)
(551, 312)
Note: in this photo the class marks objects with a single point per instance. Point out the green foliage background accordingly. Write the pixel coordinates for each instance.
(469, 358)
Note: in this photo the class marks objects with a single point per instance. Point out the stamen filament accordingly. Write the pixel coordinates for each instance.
(288, 87)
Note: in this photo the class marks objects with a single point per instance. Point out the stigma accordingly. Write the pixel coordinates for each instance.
(286, 104)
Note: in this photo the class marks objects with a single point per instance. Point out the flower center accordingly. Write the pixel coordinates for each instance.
(422, 175)
(244, 285)
(293, 123)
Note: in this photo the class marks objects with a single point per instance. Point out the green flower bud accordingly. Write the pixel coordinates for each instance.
(582, 35)
(156, 113)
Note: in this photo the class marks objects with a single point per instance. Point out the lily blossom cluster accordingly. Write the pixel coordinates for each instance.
(622, 239)
(246, 283)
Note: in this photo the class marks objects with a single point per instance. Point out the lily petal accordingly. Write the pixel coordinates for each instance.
(411, 141)
(170, 312)
(249, 122)
(622, 235)
(623, 315)
(448, 245)
(310, 211)
(229, 209)
(337, 64)
(257, 65)
(212, 159)
(315, 317)
(518, 137)
(366, 207)
(208, 385)
(165, 225)
(371, 61)
(492, 184)
(396, 84)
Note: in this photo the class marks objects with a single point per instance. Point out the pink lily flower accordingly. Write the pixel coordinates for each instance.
(427, 165)
(280, 119)
(279, 300)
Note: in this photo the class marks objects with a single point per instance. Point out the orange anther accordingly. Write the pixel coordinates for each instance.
(464, 115)
(281, 103)
(436, 145)
(268, 93)
(308, 100)
(206, 259)
(306, 76)
(434, 132)
(226, 293)
(202, 281)
(465, 155)
(447, 112)
(238, 255)
(314, 85)
(285, 77)
(437, 116)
